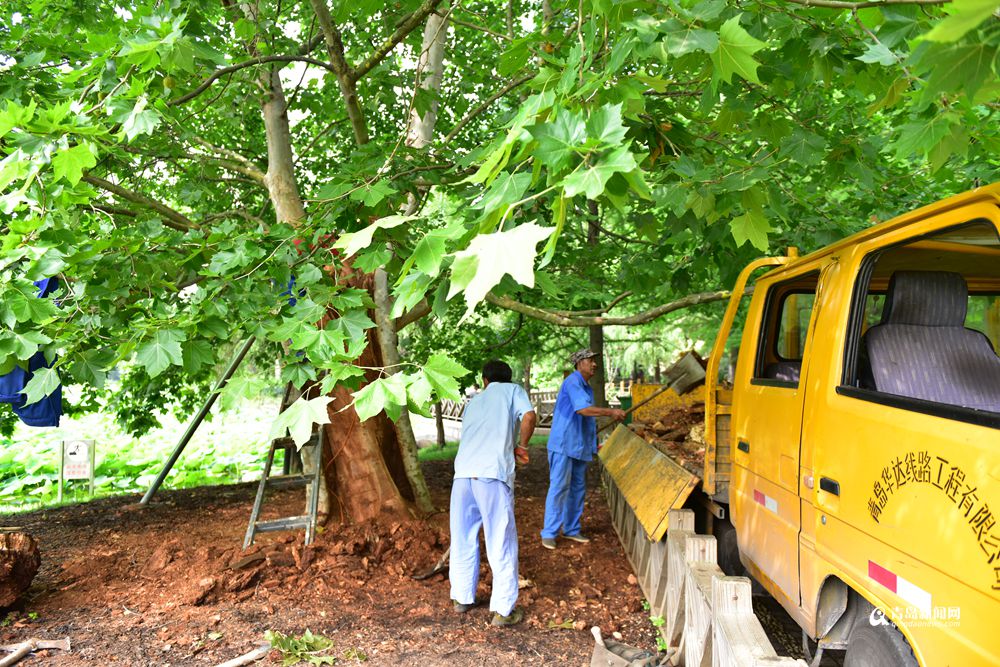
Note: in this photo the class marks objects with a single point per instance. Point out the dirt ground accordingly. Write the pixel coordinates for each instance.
(169, 584)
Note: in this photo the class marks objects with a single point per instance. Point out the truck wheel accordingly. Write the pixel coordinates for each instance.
(877, 646)
(728, 551)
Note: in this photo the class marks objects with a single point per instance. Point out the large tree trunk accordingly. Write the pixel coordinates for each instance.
(363, 471)
(19, 561)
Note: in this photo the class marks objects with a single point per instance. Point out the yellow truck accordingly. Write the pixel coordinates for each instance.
(854, 466)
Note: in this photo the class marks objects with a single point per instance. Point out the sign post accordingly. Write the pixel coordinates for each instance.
(76, 461)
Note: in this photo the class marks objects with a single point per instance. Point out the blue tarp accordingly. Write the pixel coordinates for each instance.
(47, 411)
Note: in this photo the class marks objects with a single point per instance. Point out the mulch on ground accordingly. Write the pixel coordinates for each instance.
(169, 584)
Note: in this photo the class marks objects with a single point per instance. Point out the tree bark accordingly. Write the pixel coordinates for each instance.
(389, 344)
(439, 424)
(19, 562)
(597, 382)
(431, 66)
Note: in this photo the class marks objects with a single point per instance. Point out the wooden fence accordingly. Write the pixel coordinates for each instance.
(708, 617)
(544, 402)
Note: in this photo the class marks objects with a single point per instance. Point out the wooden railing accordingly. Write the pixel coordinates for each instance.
(708, 617)
(544, 402)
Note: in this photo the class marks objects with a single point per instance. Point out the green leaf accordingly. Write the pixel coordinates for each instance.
(803, 147)
(354, 323)
(559, 140)
(161, 352)
(71, 162)
(505, 190)
(50, 263)
(43, 382)
(735, 52)
(429, 253)
(140, 120)
(591, 180)
(751, 226)
(442, 374)
(963, 67)
(964, 15)
(245, 29)
(91, 367)
(353, 242)
(299, 417)
(496, 255)
(26, 344)
(14, 115)
(605, 125)
(878, 53)
(680, 40)
(196, 353)
(371, 195)
(380, 395)
(919, 137)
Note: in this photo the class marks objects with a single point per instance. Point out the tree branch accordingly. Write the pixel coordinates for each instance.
(345, 75)
(171, 218)
(408, 25)
(473, 26)
(595, 311)
(839, 4)
(243, 65)
(578, 321)
(485, 105)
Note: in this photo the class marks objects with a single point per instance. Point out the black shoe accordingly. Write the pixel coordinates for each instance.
(579, 537)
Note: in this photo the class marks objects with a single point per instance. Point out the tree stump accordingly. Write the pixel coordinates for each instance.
(19, 561)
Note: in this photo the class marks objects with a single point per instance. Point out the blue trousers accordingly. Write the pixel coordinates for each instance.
(564, 502)
(488, 503)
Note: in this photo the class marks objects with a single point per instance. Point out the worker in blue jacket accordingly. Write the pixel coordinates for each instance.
(572, 445)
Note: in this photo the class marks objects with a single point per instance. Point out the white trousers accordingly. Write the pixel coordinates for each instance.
(488, 503)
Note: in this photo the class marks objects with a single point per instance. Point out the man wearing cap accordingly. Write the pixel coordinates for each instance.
(482, 495)
(572, 444)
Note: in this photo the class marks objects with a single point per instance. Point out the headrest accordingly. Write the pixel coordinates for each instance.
(926, 298)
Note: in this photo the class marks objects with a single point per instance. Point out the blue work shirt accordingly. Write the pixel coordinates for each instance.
(572, 434)
(489, 432)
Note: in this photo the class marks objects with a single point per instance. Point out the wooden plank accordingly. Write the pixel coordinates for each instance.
(698, 613)
(638, 468)
(738, 636)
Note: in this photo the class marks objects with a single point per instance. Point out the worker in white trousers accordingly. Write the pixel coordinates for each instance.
(482, 495)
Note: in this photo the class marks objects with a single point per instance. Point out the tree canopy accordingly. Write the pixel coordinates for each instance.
(140, 148)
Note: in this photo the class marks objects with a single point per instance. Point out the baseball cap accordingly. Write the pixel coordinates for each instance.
(580, 355)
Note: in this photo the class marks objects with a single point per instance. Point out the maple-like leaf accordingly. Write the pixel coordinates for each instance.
(490, 257)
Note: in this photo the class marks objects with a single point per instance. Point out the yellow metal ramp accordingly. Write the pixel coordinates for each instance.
(650, 482)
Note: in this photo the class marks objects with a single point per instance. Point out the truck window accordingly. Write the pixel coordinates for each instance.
(785, 325)
(925, 326)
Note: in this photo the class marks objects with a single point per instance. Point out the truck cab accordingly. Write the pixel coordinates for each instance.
(865, 437)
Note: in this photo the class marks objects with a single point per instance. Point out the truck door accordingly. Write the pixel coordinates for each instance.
(767, 425)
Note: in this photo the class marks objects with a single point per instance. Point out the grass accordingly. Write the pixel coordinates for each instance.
(229, 448)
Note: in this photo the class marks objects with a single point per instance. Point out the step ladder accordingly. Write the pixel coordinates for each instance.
(310, 480)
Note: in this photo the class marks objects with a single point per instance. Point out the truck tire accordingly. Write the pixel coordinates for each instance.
(727, 549)
(877, 646)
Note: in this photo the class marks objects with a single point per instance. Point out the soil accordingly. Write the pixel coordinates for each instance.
(168, 584)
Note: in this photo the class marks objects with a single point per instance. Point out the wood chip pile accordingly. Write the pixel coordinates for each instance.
(677, 431)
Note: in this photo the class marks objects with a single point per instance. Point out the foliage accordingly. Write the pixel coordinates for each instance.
(603, 148)
(303, 648)
(228, 449)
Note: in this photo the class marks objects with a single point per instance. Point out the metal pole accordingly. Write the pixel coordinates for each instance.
(198, 418)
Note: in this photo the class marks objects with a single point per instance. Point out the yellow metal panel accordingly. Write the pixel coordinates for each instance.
(650, 482)
(666, 400)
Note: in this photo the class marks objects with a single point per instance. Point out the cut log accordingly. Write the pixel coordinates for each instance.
(19, 561)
